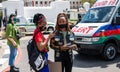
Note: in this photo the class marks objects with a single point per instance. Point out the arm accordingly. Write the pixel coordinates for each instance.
(42, 44)
(73, 46)
(52, 44)
(12, 41)
(9, 34)
(66, 47)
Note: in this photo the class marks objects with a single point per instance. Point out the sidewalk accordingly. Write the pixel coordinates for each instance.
(4, 53)
(1, 49)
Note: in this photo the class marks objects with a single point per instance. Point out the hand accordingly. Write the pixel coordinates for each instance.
(64, 48)
(14, 44)
(51, 35)
(74, 47)
(49, 61)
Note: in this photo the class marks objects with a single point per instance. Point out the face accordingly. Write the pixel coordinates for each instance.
(13, 18)
(62, 23)
(42, 25)
(62, 20)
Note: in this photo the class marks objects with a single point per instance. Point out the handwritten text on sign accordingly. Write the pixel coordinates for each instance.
(105, 3)
(82, 29)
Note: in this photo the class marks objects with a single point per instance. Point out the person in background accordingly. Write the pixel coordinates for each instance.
(0, 24)
(14, 45)
(41, 42)
(5, 22)
(63, 43)
(79, 18)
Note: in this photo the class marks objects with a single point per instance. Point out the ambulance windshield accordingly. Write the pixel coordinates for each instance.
(98, 15)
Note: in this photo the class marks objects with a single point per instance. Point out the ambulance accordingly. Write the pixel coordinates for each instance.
(99, 30)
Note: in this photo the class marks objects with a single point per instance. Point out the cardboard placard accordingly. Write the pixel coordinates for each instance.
(55, 67)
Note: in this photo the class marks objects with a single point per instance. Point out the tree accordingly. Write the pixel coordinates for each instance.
(90, 1)
(2, 0)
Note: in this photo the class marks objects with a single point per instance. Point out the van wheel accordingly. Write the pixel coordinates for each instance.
(50, 29)
(109, 52)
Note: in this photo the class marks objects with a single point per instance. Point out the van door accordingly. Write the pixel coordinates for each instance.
(116, 25)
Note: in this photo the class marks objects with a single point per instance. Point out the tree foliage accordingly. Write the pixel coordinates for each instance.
(2, 0)
(90, 1)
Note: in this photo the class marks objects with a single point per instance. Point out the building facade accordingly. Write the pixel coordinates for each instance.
(74, 4)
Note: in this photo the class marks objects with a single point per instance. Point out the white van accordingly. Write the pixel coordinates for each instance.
(99, 30)
(27, 26)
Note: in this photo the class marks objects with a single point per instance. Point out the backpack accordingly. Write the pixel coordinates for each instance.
(37, 59)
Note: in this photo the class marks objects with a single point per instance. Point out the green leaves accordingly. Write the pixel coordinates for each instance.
(90, 1)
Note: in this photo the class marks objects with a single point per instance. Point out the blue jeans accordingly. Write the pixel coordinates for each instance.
(45, 68)
(13, 53)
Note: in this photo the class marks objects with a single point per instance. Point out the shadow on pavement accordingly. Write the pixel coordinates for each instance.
(89, 61)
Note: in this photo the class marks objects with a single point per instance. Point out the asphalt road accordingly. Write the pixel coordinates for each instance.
(82, 63)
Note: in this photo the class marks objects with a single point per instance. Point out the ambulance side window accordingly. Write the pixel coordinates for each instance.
(117, 14)
(118, 11)
(117, 17)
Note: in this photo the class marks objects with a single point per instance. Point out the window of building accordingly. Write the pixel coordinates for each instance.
(45, 2)
(41, 2)
(76, 2)
(26, 4)
(73, 2)
(80, 2)
(36, 2)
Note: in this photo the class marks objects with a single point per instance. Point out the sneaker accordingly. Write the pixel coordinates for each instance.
(14, 69)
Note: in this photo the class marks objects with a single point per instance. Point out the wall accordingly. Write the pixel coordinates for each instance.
(50, 12)
(11, 6)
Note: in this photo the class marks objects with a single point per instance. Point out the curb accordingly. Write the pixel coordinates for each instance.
(5, 56)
